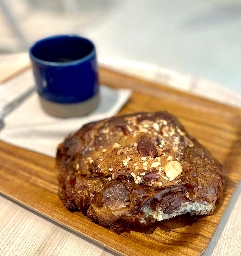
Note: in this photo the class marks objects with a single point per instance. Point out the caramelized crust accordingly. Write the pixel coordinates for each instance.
(137, 169)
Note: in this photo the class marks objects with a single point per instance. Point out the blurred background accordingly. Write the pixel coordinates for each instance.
(201, 38)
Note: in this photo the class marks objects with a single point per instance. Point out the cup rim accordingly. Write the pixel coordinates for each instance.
(62, 64)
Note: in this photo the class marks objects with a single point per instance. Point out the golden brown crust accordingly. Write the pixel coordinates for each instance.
(137, 169)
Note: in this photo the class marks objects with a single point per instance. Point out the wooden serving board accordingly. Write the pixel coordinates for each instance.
(30, 178)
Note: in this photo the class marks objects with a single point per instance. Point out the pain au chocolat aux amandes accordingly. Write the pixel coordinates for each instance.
(134, 170)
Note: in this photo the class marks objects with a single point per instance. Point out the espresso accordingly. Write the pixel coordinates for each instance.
(64, 59)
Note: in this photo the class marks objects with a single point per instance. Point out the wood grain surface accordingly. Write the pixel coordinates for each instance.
(30, 178)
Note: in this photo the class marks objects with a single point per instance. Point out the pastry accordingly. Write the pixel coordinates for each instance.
(133, 170)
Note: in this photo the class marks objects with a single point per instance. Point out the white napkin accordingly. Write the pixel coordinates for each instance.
(28, 126)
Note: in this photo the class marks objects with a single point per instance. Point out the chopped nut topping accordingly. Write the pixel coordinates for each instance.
(129, 128)
(173, 169)
(116, 145)
(137, 179)
(134, 144)
(146, 123)
(155, 164)
(143, 129)
(159, 183)
(175, 149)
(90, 160)
(172, 131)
(106, 130)
(156, 127)
(133, 175)
(125, 161)
(145, 164)
(165, 130)
(131, 119)
(160, 169)
(189, 142)
(120, 151)
(181, 132)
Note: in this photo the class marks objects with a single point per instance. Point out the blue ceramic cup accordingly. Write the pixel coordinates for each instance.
(66, 75)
